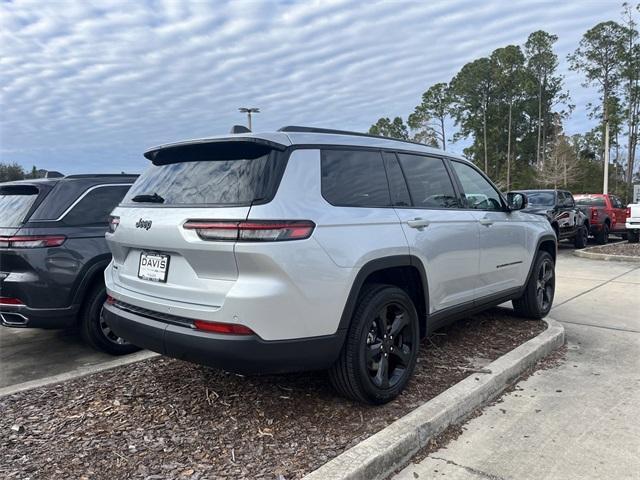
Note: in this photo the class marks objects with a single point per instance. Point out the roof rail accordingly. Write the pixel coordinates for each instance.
(101, 175)
(300, 129)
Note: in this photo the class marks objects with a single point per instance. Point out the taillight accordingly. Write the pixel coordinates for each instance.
(628, 212)
(594, 214)
(252, 231)
(226, 328)
(32, 241)
(10, 301)
(113, 223)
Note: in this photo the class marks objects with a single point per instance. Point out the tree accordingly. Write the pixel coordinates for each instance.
(472, 89)
(392, 129)
(509, 66)
(630, 66)
(597, 57)
(429, 117)
(542, 63)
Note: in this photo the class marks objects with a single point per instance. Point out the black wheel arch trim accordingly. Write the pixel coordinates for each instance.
(88, 277)
(376, 265)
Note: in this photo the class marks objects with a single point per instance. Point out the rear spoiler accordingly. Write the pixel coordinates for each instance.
(212, 149)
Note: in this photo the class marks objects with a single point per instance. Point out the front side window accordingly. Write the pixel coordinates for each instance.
(429, 182)
(354, 178)
(94, 208)
(399, 192)
(479, 194)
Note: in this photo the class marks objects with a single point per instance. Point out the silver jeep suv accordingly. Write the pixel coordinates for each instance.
(310, 249)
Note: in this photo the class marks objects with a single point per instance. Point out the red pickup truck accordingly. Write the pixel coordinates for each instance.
(606, 214)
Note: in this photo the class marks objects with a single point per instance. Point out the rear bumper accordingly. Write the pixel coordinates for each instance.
(235, 353)
(21, 316)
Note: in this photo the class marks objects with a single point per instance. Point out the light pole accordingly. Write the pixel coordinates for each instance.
(249, 111)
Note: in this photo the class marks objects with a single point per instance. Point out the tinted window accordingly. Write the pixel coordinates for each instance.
(541, 199)
(617, 203)
(590, 201)
(565, 199)
(15, 202)
(214, 182)
(429, 182)
(478, 192)
(95, 206)
(354, 178)
(399, 192)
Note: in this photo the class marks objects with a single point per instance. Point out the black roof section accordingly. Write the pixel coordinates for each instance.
(302, 129)
(103, 175)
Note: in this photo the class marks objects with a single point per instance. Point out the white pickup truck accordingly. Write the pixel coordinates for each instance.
(633, 222)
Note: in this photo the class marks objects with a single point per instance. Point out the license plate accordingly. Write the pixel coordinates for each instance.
(153, 266)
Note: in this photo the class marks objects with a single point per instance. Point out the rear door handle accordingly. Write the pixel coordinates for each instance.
(486, 221)
(418, 223)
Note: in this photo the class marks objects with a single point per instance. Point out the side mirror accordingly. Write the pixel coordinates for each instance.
(516, 200)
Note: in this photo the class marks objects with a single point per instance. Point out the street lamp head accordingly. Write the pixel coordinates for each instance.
(249, 110)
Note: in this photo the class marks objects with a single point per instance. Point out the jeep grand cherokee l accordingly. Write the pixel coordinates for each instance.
(316, 249)
(53, 254)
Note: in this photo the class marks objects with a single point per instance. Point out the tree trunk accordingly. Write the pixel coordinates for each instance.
(484, 133)
(539, 125)
(509, 149)
(444, 141)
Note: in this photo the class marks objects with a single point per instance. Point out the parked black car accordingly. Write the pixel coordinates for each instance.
(568, 221)
(53, 254)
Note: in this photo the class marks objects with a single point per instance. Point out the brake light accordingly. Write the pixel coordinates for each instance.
(10, 301)
(594, 214)
(225, 328)
(32, 241)
(252, 231)
(113, 223)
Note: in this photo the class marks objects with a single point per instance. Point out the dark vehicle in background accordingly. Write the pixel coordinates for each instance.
(53, 254)
(607, 214)
(568, 220)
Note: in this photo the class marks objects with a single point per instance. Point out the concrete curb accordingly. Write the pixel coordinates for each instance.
(605, 256)
(379, 455)
(78, 372)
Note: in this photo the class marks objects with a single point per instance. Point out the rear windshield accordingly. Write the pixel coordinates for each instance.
(216, 182)
(590, 201)
(542, 199)
(15, 202)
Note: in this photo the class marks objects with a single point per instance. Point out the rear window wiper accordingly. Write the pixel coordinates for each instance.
(145, 197)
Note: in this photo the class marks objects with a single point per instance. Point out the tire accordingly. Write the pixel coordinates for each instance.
(370, 368)
(95, 331)
(603, 235)
(633, 236)
(580, 240)
(542, 281)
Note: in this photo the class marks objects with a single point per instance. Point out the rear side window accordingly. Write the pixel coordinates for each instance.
(95, 206)
(429, 182)
(15, 203)
(590, 201)
(233, 182)
(354, 178)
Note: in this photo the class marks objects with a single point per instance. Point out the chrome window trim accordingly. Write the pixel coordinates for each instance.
(84, 194)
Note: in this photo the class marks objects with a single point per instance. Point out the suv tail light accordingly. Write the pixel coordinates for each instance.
(628, 212)
(218, 327)
(10, 301)
(32, 241)
(252, 231)
(113, 223)
(594, 214)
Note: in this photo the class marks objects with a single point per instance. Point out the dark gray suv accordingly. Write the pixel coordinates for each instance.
(53, 254)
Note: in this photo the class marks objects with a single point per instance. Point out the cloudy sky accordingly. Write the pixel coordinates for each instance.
(86, 87)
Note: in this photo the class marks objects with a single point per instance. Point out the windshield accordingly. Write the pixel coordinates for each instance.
(215, 182)
(15, 202)
(541, 199)
(590, 201)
